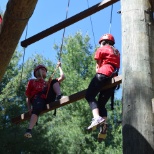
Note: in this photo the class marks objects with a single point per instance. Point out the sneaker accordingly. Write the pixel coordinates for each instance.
(58, 97)
(28, 135)
(103, 132)
(95, 122)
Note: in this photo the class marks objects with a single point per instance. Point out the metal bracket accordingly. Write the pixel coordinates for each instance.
(150, 12)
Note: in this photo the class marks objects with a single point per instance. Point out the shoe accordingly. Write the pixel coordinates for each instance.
(95, 122)
(28, 135)
(58, 97)
(103, 133)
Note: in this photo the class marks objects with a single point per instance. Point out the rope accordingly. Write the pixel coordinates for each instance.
(60, 52)
(91, 25)
(111, 19)
(61, 47)
(23, 60)
(53, 73)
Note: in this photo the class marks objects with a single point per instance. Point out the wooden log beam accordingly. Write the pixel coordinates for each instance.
(68, 22)
(66, 100)
(14, 21)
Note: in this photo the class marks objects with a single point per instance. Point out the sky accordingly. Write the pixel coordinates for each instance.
(50, 12)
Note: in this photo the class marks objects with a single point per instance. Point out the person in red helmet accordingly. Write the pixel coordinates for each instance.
(40, 92)
(107, 65)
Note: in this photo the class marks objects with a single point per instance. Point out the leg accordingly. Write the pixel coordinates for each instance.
(38, 105)
(94, 88)
(95, 112)
(102, 100)
(92, 91)
(33, 121)
(53, 91)
(56, 88)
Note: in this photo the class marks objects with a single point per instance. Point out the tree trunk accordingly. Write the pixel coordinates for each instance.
(15, 19)
(138, 76)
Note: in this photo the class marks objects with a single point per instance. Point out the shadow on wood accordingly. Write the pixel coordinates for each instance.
(66, 100)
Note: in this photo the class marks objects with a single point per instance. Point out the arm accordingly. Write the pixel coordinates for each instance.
(98, 62)
(96, 67)
(97, 57)
(62, 76)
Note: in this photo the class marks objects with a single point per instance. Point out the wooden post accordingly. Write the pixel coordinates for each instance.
(138, 76)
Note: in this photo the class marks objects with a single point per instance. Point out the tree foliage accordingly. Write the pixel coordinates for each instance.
(65, 133)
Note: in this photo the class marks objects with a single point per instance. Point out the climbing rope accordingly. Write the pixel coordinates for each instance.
(91, 25)
(111, 19)
(23, 60)
(61, 47)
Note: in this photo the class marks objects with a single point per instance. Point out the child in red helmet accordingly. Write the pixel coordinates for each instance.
(40, 92)
(107, 63)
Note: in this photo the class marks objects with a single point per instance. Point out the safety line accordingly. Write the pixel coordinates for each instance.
(60, 52)
(111, 19)
(91, 25)
(23, 55)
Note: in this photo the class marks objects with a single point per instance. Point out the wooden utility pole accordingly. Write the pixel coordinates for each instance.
(138, 76)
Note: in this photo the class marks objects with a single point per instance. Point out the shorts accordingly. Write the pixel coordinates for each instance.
(38, 104)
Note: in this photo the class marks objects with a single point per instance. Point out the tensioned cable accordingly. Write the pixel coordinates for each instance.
(61, 47)
(60, 52)
(92, 25)
(111, 19)
(23, 55)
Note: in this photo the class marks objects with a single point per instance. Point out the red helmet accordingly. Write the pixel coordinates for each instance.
(38, 67)
(107, 37)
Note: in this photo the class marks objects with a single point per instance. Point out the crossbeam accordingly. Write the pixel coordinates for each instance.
(66, 100)
(68, 22)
